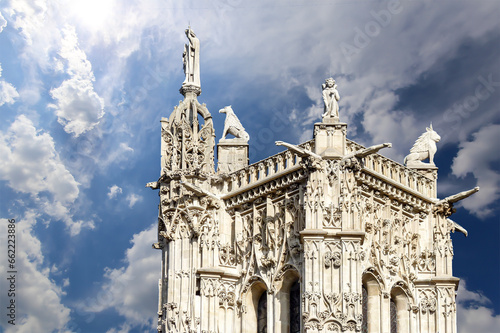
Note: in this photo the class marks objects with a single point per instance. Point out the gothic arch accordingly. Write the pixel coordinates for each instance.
(287, 296)
(373, 283)
(402, 298)
(254, 289)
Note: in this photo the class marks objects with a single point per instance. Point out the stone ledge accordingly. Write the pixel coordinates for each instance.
(438, 280)
(355, 234)
(210, 271)
(313, 233)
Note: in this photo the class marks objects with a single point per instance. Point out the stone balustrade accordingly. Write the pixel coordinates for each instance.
(287, 161)
(264, 170)
(395, 171)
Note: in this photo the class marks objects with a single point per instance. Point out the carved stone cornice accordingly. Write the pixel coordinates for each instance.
(268, 185)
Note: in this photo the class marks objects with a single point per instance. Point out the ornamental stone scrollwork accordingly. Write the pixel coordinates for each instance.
(332, 301)
(332, 216)
(332, 171)
(332, 259)
(427, 301)
(426, 261)
(393, 264)
(351, 299)
(227, 295)
(227, 256)
(313, 296)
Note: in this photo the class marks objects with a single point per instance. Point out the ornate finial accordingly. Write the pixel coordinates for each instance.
(424, 148)
(330, 98)
(191, 61)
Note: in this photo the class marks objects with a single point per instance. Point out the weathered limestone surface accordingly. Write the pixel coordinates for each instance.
(355, 237)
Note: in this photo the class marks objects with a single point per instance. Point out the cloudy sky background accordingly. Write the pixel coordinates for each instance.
(83, 85)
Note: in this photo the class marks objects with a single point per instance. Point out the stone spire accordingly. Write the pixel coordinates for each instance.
(188, 140)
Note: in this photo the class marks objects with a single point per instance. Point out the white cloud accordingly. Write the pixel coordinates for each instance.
(473, 313)
(124, 328)
(132, 290)
(477, 157)
(3, 23)
(38, 296)
(117, 155)
(8, 92)
(37, 22)
(79, 108)
(133, 199)
(114, 191)
(30, 164)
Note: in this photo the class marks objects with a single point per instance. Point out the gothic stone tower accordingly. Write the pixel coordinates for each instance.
(326, 236)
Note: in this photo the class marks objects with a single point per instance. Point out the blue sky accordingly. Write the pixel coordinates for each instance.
(83, 85)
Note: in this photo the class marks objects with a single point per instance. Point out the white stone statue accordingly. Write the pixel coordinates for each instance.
(232, 125)
(424, 148)
(330, 97)
(191, 59)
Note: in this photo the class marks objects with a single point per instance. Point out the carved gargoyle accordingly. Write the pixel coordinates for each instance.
(198, 190)
(456, 226)
(157, 246)
(353, 160)
(315, 159)
(153, 185)
(445, 206)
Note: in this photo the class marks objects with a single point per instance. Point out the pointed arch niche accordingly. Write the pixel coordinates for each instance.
(384, 314)
(372, 303)
(289, 302)
(400, 302)
(256, 308)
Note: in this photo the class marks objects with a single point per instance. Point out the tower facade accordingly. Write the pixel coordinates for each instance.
(326, 236)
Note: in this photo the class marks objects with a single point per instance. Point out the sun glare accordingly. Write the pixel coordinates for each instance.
(93, 14)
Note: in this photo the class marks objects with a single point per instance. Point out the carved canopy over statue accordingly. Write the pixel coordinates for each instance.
(330, 97)
(424, 148)
(191, 59)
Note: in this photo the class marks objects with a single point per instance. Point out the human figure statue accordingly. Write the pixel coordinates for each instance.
(191, 59)
(330, 97)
